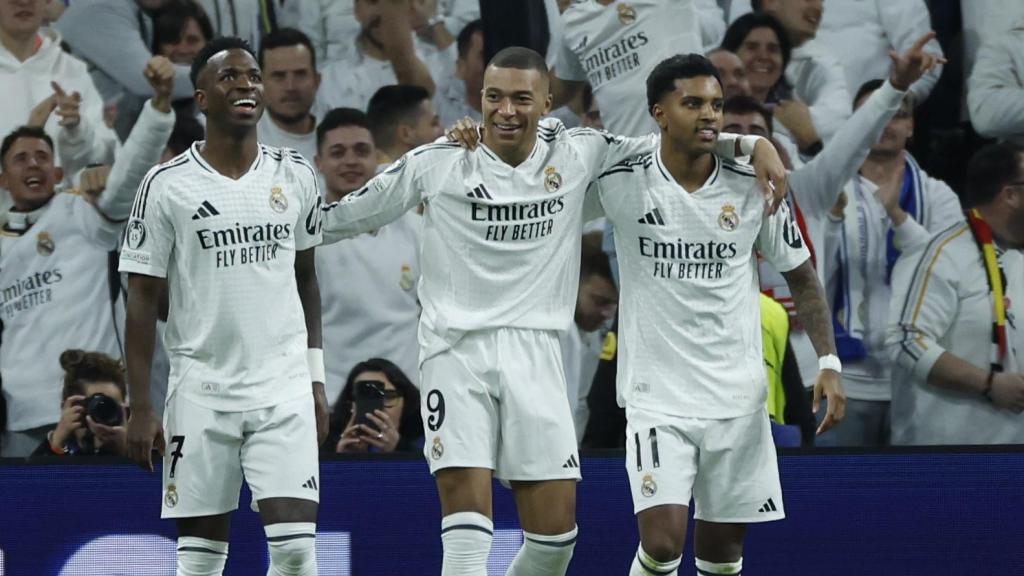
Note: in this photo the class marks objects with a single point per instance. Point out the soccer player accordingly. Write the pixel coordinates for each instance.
(499, 273)
(228, 229)
(691, 372)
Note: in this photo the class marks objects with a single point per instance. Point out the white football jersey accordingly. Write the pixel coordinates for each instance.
(689, 315)
(236, 333)
(500, 244)
(615, 48)
(56, 294)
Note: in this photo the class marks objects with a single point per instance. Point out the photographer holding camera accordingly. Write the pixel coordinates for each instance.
(379, 409)
(92, 411)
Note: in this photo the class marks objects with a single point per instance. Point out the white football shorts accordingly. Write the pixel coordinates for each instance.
(208, 453)
(729, 467)
(497, 399)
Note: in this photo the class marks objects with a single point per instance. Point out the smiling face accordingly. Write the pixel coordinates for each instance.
(185, 49)
(230, 91)
(513, 102)
(761, 53)
(347, 158)
(21, 18)
(691, 115)
(29, 173)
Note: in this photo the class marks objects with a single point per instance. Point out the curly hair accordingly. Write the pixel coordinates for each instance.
(81, 368)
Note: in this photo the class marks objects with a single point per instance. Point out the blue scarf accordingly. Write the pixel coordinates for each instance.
(849, 343)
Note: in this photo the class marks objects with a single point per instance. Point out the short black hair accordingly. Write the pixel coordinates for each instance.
(662, 80)
(186, 131)
(285, 37)
(738, 31)
(593, 259)
(170, 22)
(465, 38)
(747, 105)
(339, 117)
(990, 169)
(392, 106)
(520, 58)
(23, 132)
(867, 88)
(757, 5)
(217, 46)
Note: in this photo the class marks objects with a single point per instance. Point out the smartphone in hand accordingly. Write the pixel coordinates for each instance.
(369, 397)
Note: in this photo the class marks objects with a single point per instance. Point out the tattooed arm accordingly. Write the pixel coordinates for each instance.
(813, 311)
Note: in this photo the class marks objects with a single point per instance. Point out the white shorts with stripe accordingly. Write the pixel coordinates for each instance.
(209, 453)
(729, 467)
(497, 399)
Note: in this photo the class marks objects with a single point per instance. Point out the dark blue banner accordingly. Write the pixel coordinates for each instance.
(895, 514)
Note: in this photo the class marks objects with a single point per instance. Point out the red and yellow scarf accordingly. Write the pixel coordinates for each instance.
(996, 282)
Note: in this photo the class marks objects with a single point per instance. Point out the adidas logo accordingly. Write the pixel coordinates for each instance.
(769, 506)
(311, 483)
(652, 217)
(571, 462)
(480, 192)
(206, 210)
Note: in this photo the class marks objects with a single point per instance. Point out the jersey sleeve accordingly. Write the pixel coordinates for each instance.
(601, 150)
(780, 241)
(149, 235)
(567, 64)
(384, 199)
(308, 232)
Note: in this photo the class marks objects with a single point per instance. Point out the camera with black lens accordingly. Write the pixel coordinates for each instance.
(104, 410)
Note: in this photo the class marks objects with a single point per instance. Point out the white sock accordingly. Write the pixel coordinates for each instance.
(201, 557)
(644, 565)
(466, 538)
(705, 568)
(292, 548)
(544, 555)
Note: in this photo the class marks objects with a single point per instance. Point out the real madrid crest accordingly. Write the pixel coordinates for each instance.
(44, 244)
(437, 450)
(171, 497)
(552, 179)
(627, 14)
(648, 487)
(278, 203)
(728, 219)
(407, 279)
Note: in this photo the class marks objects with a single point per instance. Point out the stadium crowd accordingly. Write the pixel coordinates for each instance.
(883, 162)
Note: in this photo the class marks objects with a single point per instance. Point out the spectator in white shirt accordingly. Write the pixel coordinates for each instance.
(368, 283)
(995, 91)
(953, 332)
(596, 305)
(45, 86)
(290, 83)
(460, 97)
(386, 52)
(401, 118)
(816, 76)
(54, 263)
(863, 34)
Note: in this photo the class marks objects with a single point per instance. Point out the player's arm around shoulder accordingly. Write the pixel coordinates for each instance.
(411, 179)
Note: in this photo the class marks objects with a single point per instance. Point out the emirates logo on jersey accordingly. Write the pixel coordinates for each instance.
(44, 244)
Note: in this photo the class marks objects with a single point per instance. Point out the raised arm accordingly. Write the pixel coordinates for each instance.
(397, 36)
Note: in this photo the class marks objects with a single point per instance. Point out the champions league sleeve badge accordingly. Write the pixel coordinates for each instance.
(44, 244)
(136, 234)
(278, 202)
(728, 220)
(552, 179)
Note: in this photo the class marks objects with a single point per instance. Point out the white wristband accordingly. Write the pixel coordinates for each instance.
(747, 144)
(830, 362)
(315, 359)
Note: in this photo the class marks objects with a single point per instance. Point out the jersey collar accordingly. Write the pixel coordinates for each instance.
(198, 158)
(668, 175)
